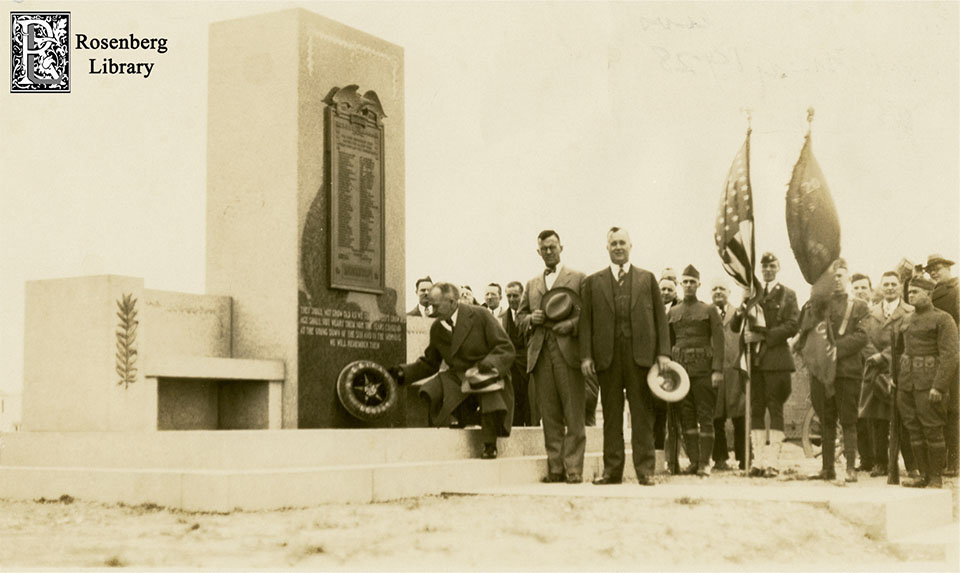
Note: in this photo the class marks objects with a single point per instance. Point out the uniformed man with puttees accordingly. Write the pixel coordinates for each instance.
(928, 360)
(696, 335)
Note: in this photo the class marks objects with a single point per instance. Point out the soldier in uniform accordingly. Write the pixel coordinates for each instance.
(771, 366)
(928, 341)
(837, 399)
(696, 335)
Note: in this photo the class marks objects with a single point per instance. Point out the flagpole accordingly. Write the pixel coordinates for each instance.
(747, 458)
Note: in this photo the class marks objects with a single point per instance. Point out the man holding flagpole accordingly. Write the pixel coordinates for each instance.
(734, 239)
(771, 366)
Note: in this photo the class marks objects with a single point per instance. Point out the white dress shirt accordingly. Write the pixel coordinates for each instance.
(551, 279)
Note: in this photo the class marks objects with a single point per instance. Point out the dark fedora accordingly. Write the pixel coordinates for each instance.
(559, 303)
(938, 259)
(475, 381)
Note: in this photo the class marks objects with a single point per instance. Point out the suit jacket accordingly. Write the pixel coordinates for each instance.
(477, 337)
(517, 336)
(648, 319)
(782, 315)
(875, 392)
(532, 295)
(730, 396)
(415, 311)
(946, 297)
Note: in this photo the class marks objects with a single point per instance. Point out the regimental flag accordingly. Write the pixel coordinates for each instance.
(814, 230)
(734, 230)
(812, 222)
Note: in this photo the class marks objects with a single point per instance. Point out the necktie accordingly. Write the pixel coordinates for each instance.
(549, 271)
(621, 275)
(766, 289)
(723, 313)
(448, 324)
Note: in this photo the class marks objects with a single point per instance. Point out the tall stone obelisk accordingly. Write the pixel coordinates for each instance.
(305, 201)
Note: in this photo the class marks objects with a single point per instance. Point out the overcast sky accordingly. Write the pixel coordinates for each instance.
(571, 116)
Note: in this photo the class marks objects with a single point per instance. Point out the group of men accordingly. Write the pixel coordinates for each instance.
(566, 337)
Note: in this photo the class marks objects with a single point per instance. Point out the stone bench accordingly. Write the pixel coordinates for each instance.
(209, 393)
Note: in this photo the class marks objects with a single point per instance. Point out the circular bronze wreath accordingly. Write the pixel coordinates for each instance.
(367, 390)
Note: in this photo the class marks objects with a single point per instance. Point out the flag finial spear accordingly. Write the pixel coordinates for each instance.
(809, 119)
(749, 113)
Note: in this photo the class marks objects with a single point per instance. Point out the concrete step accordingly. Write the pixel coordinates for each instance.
(264, 489)
(936, 544)
(266, 449)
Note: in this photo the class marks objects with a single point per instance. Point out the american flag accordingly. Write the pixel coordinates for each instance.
(734, 231)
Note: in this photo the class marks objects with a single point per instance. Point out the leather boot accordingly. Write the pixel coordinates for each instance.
(706, 449)
(692, 445)
(758, 439)
(850, 452)
(829, 471)
(923, 464)
(936, 457)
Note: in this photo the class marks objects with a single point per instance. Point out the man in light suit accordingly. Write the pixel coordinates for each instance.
(422, 287)
(730, 395)
(553, 360)
(623, 332)
(882, 326)
(464, 336)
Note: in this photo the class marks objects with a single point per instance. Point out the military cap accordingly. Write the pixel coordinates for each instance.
(691, 271)
(923, 282)
(768, 257)
(938, 259)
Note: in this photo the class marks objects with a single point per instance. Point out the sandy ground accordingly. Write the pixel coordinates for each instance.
(448, 533)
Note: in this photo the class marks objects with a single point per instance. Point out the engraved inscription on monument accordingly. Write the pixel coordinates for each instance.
(355, 143)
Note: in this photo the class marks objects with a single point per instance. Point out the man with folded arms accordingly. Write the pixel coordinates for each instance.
(464, 336)
(553, 360)
(623, 332)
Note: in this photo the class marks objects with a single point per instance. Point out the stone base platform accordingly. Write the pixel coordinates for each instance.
(258, 470)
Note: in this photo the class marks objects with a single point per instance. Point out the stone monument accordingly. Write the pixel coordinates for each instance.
(305, 202)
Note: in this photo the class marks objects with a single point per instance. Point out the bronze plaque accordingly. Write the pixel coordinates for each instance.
(355, 143)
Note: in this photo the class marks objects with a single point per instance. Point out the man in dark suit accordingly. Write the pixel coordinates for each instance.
(522, 411)
(553, 360)
(771, 366)
(946, 297)
(422, 287)
(623, 332)
(464, 336)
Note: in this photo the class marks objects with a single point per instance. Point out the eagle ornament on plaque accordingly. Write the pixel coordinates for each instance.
(354, 131)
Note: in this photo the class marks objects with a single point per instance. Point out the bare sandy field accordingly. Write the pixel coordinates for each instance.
(445, 533)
